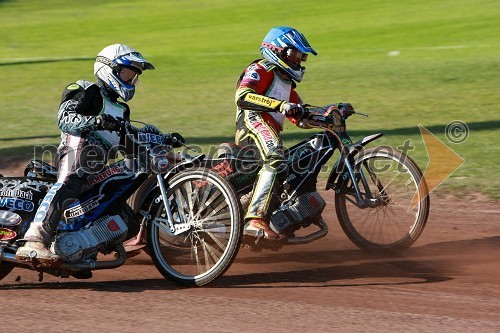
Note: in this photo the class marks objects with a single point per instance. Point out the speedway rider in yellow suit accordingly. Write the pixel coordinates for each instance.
(265, 96)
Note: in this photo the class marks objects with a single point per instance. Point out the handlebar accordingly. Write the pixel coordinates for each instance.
(330, 117)
(344, 108)
(149, 134)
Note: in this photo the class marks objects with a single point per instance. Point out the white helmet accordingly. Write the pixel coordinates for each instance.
(110, 62)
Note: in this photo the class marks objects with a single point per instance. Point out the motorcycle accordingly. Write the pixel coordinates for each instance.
(381, 198)
(188, 218)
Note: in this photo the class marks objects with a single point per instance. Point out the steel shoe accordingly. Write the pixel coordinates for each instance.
(261, 228)
(35, 252)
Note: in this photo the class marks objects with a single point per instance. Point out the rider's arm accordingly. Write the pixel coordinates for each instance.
(80, 103)
(298, 121)
(248, 99)
(252, 86)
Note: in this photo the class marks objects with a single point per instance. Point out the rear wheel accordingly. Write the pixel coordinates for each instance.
(207, 228)
(139, 197)
(397, 200)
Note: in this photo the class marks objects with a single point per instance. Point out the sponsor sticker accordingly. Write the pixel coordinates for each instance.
(262, 130)
(252, 76)
(267, 65)
(23, 185)
(45, 205)
(81, 208)
(17, 204)
(149, 138)
(252, 67)
(94, 179)
(17, 193)
(9, 219)
(7, 234)
(262, 100)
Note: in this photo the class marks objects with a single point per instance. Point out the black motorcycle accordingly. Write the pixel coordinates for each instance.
(188, 218)
(381, 198)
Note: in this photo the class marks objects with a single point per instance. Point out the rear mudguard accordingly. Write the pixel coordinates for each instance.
(20, 196)
(240, 173)
(352, 150)
(188, 163)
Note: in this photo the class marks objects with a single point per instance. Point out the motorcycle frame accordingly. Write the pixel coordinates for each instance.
(343, 169)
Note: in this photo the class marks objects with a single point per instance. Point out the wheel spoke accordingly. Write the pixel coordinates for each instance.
(209, 205)
(387, 224)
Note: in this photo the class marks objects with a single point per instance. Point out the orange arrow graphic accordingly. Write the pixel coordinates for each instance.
(442, 163)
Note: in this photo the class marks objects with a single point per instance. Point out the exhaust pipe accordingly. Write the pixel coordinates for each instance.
(92, 265)
(322, 232)
(7, 256)
(95, 265)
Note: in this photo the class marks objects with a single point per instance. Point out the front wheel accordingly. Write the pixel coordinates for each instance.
(395, 204)
(208, 227)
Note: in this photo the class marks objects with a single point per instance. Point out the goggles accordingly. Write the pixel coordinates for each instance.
(294, 56)
(128, 76)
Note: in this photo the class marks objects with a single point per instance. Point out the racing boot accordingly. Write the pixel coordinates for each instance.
(35, 251)
(260, 228)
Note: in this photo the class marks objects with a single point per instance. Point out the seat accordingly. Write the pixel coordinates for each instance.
(228, 150)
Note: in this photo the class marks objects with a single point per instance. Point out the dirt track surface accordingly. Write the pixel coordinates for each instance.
(449, 281)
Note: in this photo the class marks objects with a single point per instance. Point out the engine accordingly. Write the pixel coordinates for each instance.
(101, 236)
(307, 205)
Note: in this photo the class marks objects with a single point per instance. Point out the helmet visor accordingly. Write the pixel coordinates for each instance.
(134, 59)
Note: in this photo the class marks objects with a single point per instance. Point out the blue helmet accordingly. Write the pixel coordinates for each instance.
(109, 63)
(280, 44)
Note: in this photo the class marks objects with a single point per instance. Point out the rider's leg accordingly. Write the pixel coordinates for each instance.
(65, 190)
(269, 149)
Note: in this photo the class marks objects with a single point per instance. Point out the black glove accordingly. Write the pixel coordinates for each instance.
(174, 139)
(292, 110)
(106, 122)
(346, 109)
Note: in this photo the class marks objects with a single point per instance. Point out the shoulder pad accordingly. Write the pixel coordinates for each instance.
(73, 86)
(80, 90)
(80, 85)
(85, 84)
(267, 65)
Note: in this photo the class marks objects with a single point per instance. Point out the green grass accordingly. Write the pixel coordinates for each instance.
(446, 69)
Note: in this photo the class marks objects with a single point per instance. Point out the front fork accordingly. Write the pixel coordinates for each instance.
(364, 199)
(170, 218)
(369, 199)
